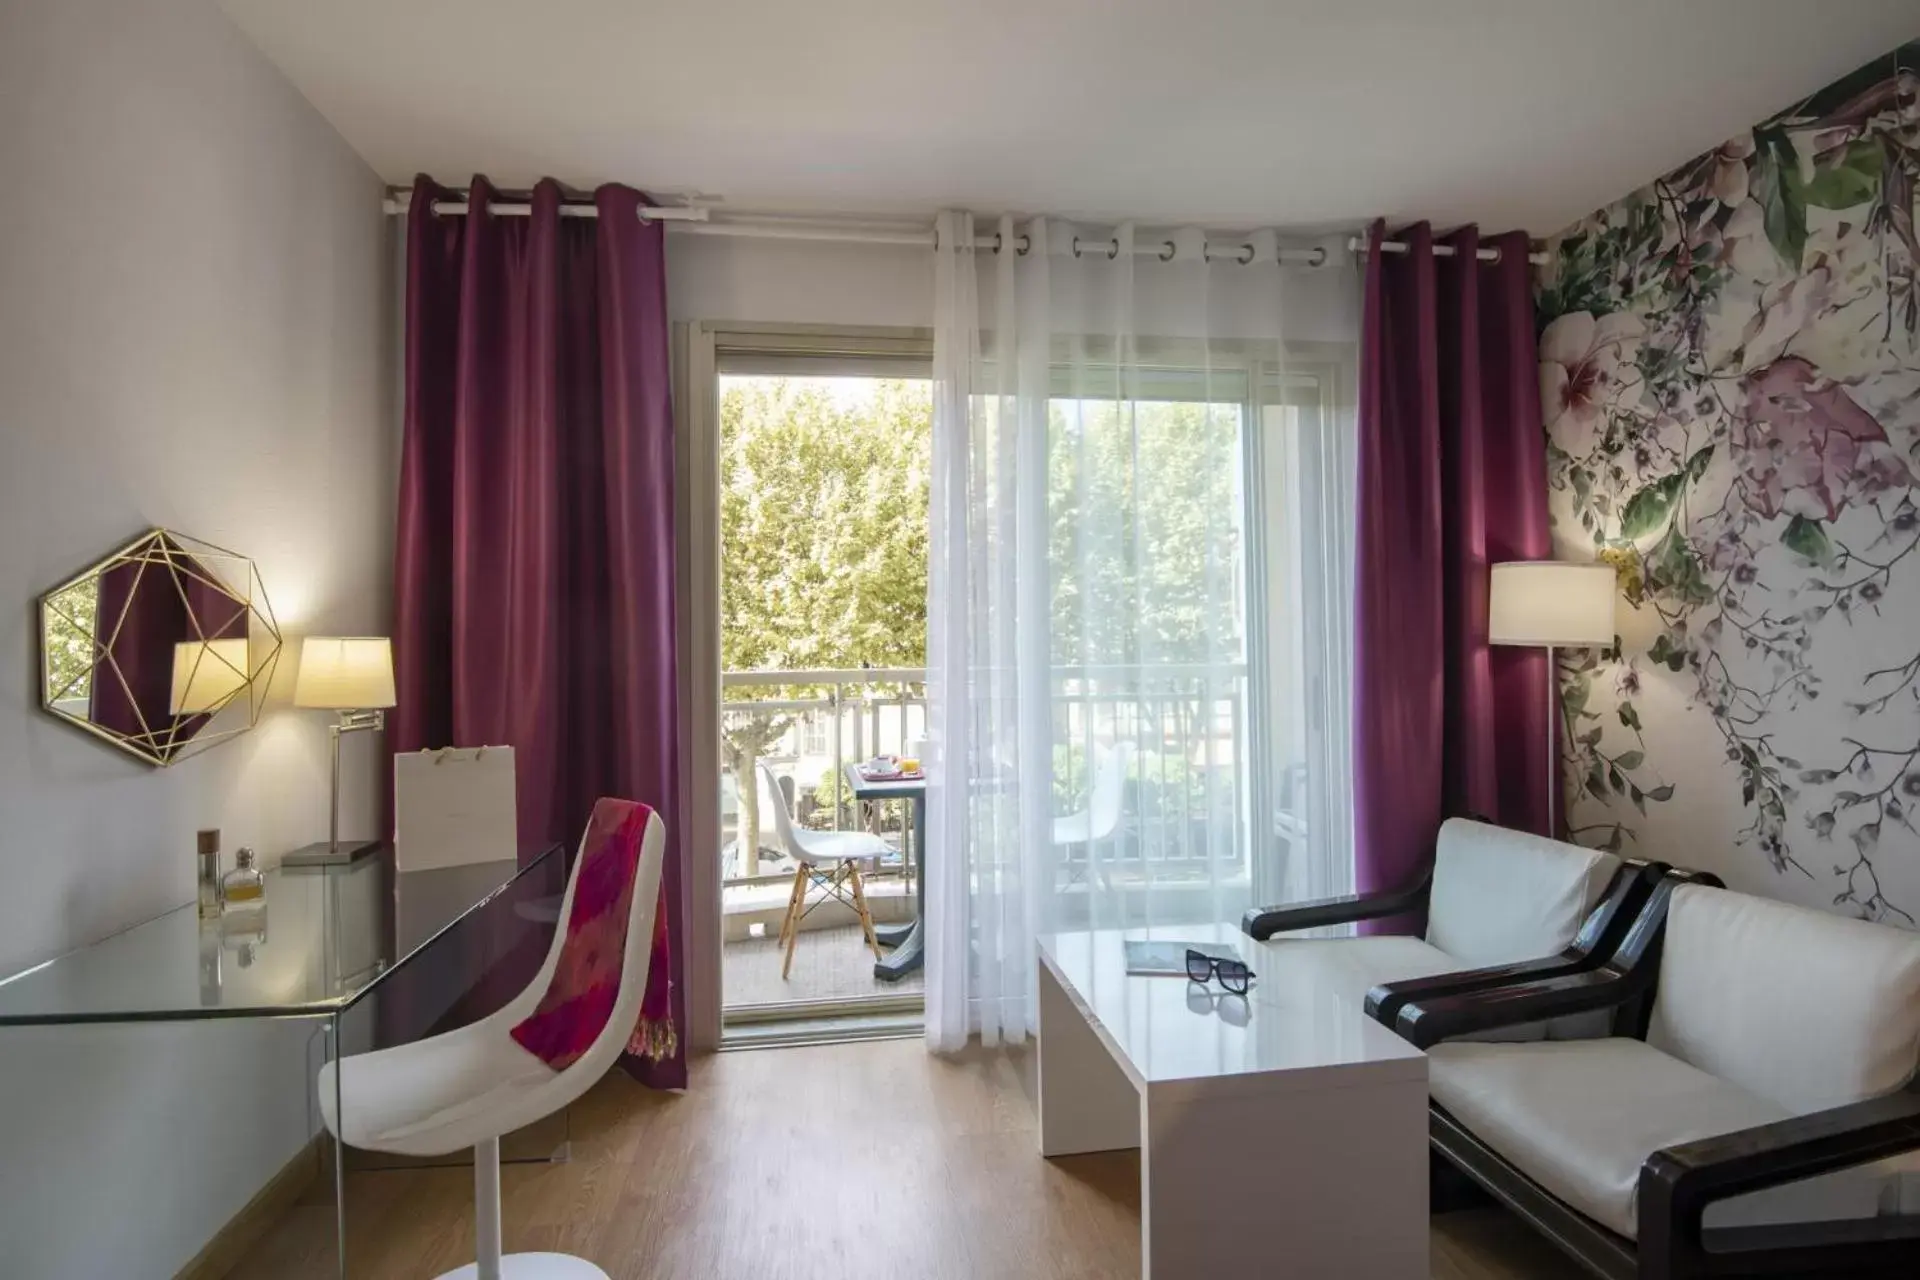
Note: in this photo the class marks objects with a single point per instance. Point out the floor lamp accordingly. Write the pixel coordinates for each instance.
(1551, 605)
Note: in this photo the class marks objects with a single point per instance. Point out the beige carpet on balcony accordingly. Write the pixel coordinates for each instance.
(828, 964)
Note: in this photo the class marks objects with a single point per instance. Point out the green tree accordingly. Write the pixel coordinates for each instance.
(1145, 540)
(1145, 566)
(823, 528)
(71, 622)
(823, 544)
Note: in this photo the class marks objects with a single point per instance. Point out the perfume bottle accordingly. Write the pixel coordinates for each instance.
(243, 886)
(209, 860)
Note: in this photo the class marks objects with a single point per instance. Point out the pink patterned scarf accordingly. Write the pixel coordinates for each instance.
(586, 980)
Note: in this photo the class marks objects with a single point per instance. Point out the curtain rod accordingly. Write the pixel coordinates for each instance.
(697, 220)
(1359, 246)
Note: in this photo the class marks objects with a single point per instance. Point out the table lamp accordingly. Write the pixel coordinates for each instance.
(351, 675)
(1550, 604)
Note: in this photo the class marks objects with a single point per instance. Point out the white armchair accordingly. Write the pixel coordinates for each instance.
(1771, 1087)
(1495, 899)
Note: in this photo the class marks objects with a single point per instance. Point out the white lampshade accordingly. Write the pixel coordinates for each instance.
(1548, 602)
(345, 673)
(205, 674)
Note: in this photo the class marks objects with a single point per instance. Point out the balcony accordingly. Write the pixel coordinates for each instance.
(1181, 822)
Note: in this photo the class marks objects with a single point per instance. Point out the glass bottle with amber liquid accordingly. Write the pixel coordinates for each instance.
(243, 886)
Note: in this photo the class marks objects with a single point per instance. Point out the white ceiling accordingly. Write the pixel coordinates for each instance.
(1289, 112)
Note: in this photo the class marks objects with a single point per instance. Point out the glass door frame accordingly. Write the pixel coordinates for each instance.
(701, 349)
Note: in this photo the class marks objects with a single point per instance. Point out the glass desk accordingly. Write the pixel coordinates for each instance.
(412, 952)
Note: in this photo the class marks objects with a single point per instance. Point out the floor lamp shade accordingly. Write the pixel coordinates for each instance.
(345, 673)
(1551, 604)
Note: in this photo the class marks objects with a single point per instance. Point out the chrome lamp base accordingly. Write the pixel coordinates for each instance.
(333, 851)
(322, 853)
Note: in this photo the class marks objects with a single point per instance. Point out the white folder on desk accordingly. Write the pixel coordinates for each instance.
(453, 806)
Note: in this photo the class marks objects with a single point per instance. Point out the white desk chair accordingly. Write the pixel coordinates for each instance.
(842, 851)
(469, 1086)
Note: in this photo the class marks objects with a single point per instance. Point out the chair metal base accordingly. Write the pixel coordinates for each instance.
(534, 1266)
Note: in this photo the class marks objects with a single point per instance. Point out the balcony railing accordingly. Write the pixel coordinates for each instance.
(1185, 807)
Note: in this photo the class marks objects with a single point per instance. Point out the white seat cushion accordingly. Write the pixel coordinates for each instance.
(1808, 1009)
(1503, 896)
(1351, 967)
(1347, 967)
(1581, 1117)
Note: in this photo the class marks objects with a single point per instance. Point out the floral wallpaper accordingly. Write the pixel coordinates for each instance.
(1730, 375)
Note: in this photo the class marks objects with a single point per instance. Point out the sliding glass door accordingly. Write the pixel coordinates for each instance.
(822, 500)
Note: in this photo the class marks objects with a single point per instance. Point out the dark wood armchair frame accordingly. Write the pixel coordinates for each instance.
(1678, 1183)
(1604, 929)
(1261, 923)
(1599, 937)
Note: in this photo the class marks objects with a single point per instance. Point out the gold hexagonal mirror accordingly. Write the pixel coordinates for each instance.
(163, 648)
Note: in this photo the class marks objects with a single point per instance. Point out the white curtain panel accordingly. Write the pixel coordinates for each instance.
(1140, 594)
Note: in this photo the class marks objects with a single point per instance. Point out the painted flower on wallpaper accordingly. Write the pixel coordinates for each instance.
(1728, 179)
(1805, 449)
(1741, 244)
(1580, 359)
(1787, 308)
(1730, 375)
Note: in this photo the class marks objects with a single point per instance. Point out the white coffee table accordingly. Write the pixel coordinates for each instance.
(1295, 1145)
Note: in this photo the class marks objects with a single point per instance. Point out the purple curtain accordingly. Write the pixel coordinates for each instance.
(138, 626)
(1452, 479)
(534, 574)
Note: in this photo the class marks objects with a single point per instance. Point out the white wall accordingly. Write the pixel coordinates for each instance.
(195, 331)
(798, 282)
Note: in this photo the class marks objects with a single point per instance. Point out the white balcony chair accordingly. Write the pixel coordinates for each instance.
(1101, 818)
(469, 1086)
(840, 852)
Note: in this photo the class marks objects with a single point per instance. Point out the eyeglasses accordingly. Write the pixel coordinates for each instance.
(1233, 974)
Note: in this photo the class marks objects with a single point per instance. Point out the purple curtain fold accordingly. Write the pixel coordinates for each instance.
(534, 572)
(1452, 479)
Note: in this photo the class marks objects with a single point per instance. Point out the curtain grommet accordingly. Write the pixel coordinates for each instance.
(1166, 253)
(1246, 259)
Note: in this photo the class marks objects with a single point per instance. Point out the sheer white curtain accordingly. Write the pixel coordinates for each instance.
(1140, 594)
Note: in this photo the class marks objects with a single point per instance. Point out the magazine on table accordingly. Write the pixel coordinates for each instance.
(1169, 959)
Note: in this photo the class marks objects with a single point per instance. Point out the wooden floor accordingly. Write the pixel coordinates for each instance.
(856, 1162)
(828, 964)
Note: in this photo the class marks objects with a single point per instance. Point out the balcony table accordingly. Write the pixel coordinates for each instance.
(908, 941)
